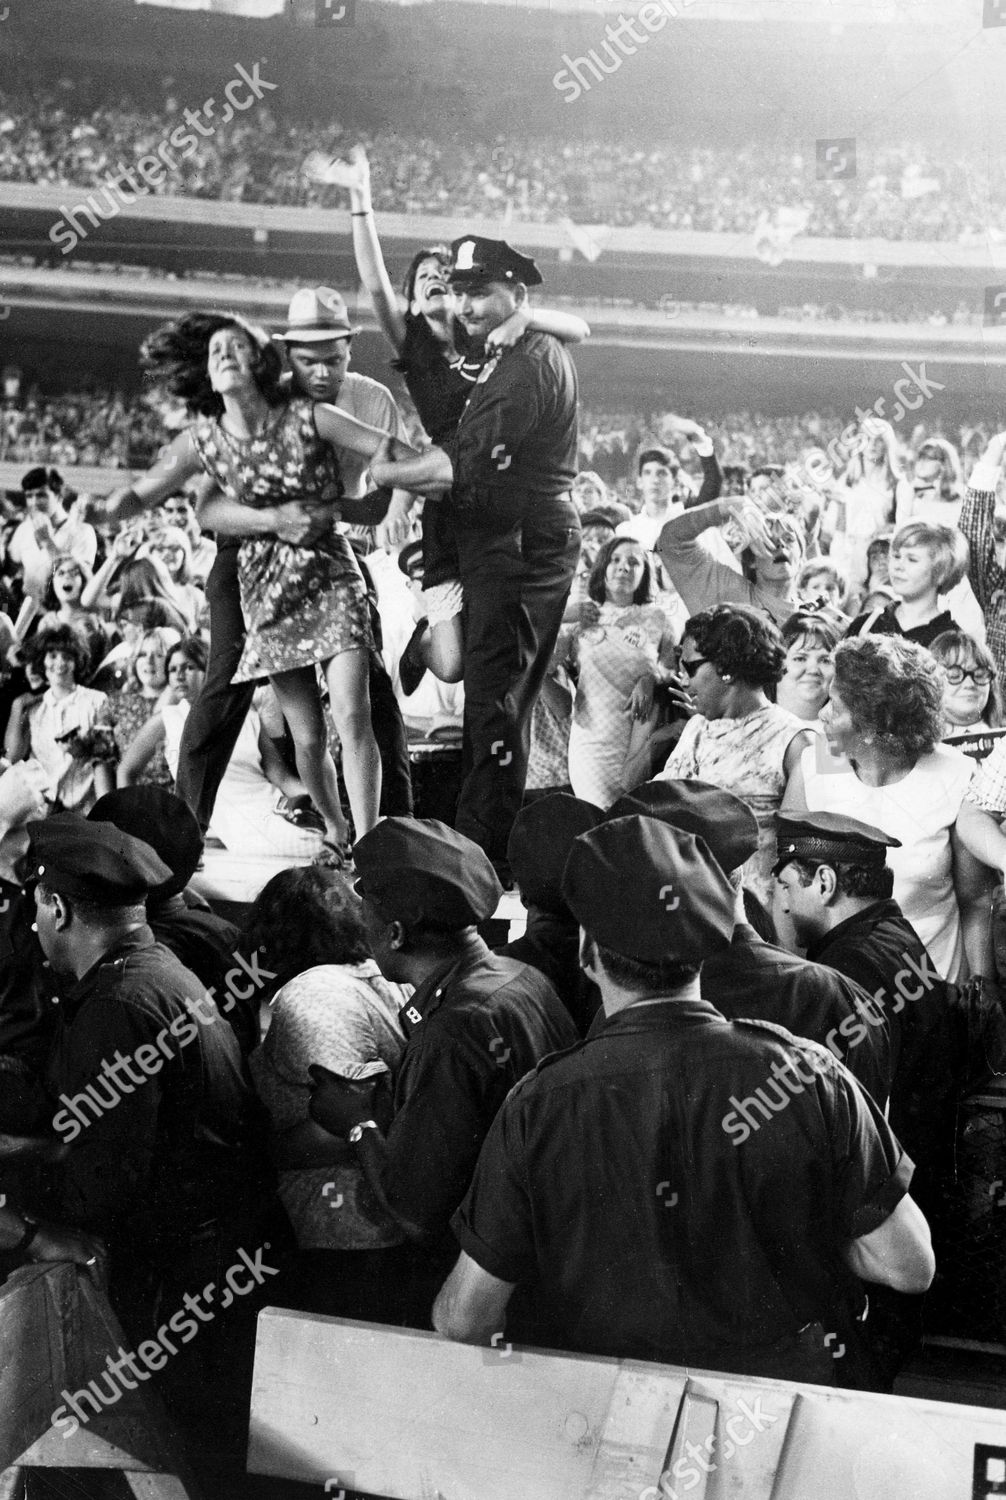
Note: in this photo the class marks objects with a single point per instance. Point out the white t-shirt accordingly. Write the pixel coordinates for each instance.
(368, 401)
(72, 538)
(919, 810)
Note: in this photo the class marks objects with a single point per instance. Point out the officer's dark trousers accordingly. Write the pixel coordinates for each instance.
(516, 583)
(215, 719)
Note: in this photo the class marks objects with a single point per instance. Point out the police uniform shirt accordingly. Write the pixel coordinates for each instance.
(206, 944)
(761, 982)
(624, 1183)
(518, 433)
(879, 949)
(474, 1029)
(551, 943)
(153, 1144)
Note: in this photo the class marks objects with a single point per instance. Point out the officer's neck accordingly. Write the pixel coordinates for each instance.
(616, 999)
(431, 957)
(90, 944)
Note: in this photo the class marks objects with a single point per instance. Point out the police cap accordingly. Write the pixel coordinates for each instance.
(831, 839)
(475, 259)
(163, 821)
(649, 891)
(93, 861)
(539, 846)
(419, 871)
(726, 823)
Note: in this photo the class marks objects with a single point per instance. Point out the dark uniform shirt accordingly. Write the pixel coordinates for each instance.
(207, 944)
(474, 1029)
(758, 981)
(517, 438)
(623, 1183)
(163, 1144)
(26, 1019)
(880, 949)
(551, 943)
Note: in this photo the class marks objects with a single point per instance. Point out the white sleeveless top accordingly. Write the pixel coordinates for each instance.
(920, 811)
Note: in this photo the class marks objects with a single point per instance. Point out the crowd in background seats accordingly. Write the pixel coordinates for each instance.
(902, 191)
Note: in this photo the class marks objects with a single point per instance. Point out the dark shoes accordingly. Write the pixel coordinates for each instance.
(412, 668)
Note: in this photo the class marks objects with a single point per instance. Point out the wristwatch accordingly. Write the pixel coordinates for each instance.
(356, 1134)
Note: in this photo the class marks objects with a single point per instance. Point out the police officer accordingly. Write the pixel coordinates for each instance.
(539, 846)
(145, 1080)
(614, 1181)
(475, 1024)
(178, 918)
(509, 467)
(759, 980)
(836, 885)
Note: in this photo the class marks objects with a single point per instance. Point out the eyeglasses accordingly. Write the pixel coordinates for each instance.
(980, 676)
(691, 667)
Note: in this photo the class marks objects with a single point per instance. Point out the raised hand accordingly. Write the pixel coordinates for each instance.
(335, 171)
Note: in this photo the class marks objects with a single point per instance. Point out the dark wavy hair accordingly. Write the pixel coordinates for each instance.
(302, 917)
(893, 690)
(174, 358)
(60, 638)
(442, 253)
(49, 600)
(595, 585)
(193, 648)
(740, 642)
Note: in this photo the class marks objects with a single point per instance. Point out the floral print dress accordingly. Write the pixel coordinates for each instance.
(301, 604)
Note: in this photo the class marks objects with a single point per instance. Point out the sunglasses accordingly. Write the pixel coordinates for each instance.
(980, 676)
(691, 667)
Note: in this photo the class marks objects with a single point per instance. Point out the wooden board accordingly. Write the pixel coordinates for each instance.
(405, 1414)
(408, 1416)
(56, 1332)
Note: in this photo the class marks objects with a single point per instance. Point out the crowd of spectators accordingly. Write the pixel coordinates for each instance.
(901, 191)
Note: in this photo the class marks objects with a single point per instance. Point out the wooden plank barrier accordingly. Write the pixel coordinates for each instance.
(56, 1331)
(360, 1408)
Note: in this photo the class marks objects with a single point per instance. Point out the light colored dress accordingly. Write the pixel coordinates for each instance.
(69, 782)
(246, 816)
(345, 1017)
(745, 756)
(611, 656)
(301, 604)
(920, 810)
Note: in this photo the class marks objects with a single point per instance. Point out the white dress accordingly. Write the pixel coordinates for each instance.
(245, 817)
(920, 810)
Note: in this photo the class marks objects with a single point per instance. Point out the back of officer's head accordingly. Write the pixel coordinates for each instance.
(651, 900)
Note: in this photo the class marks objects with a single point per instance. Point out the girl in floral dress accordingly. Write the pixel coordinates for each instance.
(304, 601)
(620, 655)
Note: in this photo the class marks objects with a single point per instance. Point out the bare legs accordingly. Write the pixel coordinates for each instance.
(297, 693)
(441, 649)
(349, 701)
